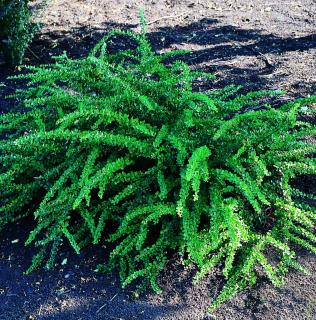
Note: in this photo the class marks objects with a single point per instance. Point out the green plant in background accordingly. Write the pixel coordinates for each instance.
(16, 30)
(119, 147)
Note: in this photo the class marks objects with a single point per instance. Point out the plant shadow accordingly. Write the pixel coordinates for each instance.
(245, 57)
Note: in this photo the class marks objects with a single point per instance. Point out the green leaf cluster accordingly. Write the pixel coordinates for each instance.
(120, 147)
(16, 29)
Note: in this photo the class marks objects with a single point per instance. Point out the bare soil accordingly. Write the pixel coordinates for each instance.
(260, 44)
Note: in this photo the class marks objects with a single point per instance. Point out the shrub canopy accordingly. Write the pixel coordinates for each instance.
(16, 29)
(120, 147)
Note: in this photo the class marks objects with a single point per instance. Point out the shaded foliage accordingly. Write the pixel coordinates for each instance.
(16, 29)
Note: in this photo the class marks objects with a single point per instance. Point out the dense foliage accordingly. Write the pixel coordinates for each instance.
(16, 30)
(120, 146)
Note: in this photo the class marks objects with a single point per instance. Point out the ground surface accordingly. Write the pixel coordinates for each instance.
(260, 44)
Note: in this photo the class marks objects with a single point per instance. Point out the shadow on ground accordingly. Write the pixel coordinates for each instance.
(235, 55)
(241, 56)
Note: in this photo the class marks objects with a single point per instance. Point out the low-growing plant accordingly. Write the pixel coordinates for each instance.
(16, 29)
(121, 146)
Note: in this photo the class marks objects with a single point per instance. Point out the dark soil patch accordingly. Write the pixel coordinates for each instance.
(259, 44)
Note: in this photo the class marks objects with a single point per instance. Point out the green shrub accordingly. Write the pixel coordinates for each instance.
(118, 146)
(16, 30)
